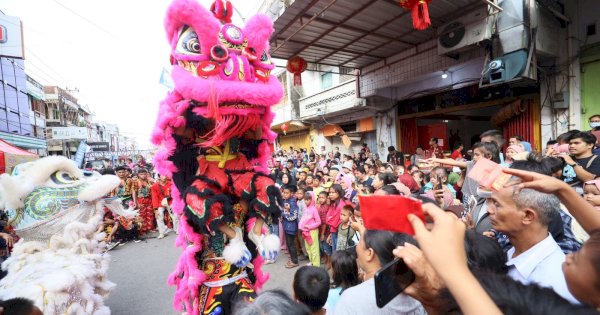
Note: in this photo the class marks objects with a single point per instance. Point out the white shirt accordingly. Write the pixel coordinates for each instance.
(542, 265)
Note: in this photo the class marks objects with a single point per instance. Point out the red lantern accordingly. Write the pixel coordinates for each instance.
(296, 65)
(284, 128)
(420, 12)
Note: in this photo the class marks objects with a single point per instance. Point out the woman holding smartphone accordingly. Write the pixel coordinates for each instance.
(374, 250)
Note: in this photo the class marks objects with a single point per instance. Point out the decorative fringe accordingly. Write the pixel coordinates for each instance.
(297, 79)
(258, 262)
(420, 16)
(261, 277)
(230, 126)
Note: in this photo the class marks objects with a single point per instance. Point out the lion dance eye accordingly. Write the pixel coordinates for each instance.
(188, 42)
(62, 178)
(193, 45)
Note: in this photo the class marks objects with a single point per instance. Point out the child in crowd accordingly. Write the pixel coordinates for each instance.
(299, 195)
(290, 224)
(337, 201)
(591, 193)
(311, 285)
(309, 226)
(346, 234)
(440, 172)
(512, 152)
(344, 276)
(323, 208)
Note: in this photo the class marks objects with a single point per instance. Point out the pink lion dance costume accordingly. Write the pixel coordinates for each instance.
(213, 131)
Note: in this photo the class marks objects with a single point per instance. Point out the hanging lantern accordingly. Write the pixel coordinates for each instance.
(284, 128)
(420, 12)
(296, 65)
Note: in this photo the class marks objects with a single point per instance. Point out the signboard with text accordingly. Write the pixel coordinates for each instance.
(69, 133)
(99, 146)
(11, 37)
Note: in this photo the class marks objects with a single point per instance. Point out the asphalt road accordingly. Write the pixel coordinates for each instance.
(140, 271)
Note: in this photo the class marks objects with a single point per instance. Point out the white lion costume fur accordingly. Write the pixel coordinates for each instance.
(59, 261)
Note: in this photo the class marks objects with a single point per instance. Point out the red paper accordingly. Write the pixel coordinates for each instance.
(486, 172)
(390, 213)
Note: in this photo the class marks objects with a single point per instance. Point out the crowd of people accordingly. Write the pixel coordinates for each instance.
(482, 250)
(147, 199)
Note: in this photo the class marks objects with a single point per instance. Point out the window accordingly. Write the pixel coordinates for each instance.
(326, 80)
(346, 74)
(55, 113)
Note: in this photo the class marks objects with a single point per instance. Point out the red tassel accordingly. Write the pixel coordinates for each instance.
(420, 16)
(297, 79)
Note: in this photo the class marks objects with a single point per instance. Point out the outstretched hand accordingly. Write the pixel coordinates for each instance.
(444, 244)
(443, 247)
(536, 181)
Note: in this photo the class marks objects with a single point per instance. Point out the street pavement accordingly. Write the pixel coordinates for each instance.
(140, 271)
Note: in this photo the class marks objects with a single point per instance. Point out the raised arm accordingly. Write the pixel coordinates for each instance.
(450, 162)
(584, 213)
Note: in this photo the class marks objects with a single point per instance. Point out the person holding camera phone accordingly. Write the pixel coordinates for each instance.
(375, 250)
(581, 164)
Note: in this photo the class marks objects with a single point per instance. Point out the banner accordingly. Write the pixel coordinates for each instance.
(99, 146)
(69, 133)
(80, 154)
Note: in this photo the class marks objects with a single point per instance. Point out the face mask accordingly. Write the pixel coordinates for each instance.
(595, 124)
(484, 193)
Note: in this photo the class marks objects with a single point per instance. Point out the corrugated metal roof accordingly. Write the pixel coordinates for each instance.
(355, 33)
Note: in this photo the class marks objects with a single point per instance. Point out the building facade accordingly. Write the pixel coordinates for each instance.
(529, 68)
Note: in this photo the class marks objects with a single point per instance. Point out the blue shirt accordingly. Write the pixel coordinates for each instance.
(290, 219)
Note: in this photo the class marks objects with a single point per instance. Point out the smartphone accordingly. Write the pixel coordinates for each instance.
(391, 280)
(439, 182)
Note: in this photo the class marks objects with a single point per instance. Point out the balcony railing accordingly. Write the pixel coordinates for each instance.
(334, 99)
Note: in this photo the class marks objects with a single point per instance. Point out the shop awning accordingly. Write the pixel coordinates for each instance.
(356, 33)
(23, 141)
(10, 156)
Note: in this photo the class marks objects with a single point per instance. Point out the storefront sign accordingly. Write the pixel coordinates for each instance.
(69, 133)
(11, 37)
(99, 146)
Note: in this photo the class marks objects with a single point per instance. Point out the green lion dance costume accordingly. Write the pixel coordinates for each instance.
(58, 262)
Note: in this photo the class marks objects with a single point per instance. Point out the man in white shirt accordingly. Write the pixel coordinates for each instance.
(535, 256)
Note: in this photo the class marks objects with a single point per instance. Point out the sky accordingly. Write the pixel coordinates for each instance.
(112, 51)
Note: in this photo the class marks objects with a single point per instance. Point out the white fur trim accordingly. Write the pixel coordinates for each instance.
(236, 249)
(271, 243)
(99, 188)
(69, 263)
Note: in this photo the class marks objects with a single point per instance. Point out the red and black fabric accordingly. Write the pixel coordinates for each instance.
(259, 190)
(206, 207)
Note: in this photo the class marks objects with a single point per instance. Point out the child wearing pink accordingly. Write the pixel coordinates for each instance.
(309, 226)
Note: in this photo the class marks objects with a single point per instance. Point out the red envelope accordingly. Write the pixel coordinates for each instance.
(390, 213)
(485, 172)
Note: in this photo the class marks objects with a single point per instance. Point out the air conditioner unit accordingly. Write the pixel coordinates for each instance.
(464, 32)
